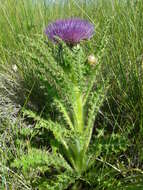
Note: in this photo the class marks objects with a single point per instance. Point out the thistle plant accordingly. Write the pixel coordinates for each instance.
(83, 101)
(79, 94)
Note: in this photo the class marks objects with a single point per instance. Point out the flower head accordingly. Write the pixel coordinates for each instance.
(71, 31)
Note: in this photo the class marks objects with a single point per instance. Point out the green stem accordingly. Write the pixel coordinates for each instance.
(78, 110)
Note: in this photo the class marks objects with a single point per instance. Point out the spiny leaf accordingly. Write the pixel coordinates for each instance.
(65, 114)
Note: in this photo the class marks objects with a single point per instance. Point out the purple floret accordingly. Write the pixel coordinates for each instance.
(71, 31)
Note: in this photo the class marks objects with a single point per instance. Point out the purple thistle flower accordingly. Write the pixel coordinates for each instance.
(71, 31)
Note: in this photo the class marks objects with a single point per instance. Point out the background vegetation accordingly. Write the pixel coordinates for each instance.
(28, 150)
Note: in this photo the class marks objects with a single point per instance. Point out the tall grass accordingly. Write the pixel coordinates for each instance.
(118, 135)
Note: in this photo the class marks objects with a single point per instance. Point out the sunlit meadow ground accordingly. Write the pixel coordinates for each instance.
(119, 123)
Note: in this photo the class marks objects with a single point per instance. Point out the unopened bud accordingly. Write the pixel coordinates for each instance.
(92, 60)
(14, 68)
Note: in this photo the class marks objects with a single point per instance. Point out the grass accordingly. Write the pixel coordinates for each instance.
(117, 139)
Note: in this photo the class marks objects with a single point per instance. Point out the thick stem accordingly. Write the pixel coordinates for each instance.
(78, 110)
